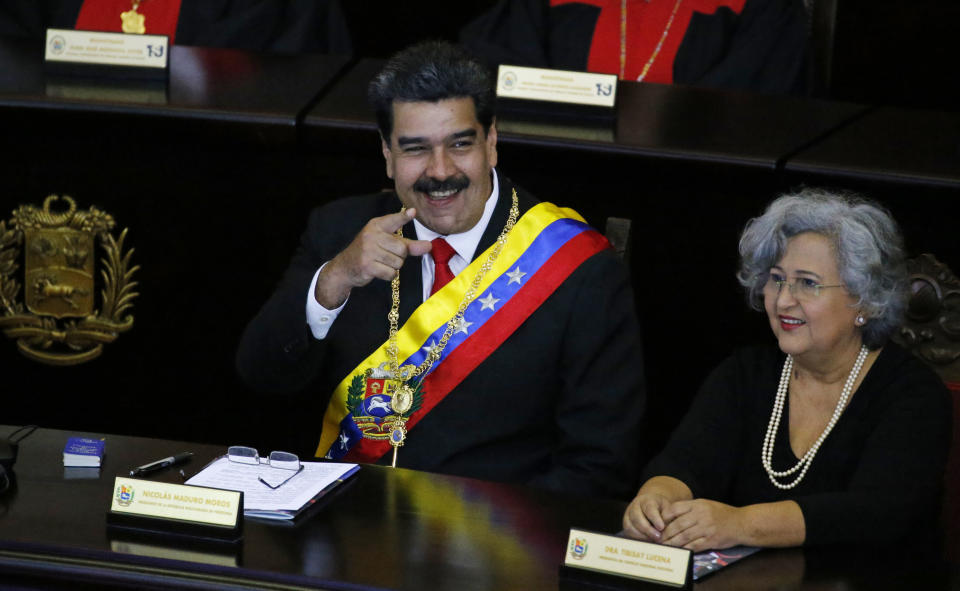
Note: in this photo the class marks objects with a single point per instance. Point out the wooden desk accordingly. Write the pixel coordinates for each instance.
(388, 529)
(679, 123)
(895, 146)
(252, 97)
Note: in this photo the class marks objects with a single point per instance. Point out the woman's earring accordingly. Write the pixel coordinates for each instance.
(860, 321)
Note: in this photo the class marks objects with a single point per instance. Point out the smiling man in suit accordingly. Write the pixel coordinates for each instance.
(488, 334)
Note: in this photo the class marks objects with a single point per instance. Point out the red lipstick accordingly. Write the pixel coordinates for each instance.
(789, 323)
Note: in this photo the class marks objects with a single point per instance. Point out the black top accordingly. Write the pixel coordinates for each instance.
(762, 48)
(317, 26)
(877, 477)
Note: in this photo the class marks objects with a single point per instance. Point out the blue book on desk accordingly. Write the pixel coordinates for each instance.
(83, 452)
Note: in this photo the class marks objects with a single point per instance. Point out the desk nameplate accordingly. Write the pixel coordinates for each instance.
(559, 86)
(178, 508)
(621, 557)
(100, 53)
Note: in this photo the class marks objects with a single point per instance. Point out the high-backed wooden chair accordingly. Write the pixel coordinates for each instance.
(932, 327)
(618, 233)
(932, 332)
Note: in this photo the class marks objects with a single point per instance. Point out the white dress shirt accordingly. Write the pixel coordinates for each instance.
(465, 244)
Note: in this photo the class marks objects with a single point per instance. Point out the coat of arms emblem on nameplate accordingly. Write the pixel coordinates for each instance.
(51, 309)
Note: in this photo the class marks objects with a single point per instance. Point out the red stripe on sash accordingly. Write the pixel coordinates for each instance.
(472, 352)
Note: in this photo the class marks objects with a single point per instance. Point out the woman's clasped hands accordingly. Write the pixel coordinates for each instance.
(695, 524)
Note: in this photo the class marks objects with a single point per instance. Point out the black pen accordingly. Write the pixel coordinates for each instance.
(160, 464)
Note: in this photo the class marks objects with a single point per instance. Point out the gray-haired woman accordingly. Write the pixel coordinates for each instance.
(838, 436)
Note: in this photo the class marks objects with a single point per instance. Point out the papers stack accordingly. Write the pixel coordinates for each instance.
(83, 452)
(259, 500)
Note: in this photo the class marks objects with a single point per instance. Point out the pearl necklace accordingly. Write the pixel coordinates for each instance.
(803, 465)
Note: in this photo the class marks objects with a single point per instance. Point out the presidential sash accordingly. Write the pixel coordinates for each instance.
(544, 247)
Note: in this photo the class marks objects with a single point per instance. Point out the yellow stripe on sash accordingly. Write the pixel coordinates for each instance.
(442, 306)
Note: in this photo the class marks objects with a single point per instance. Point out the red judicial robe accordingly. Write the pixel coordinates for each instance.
(272, 26)
(745, 44)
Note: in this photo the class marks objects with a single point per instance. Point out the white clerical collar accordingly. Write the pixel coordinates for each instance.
(465, 243)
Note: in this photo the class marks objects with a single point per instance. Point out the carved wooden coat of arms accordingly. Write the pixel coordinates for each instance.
(57, 320)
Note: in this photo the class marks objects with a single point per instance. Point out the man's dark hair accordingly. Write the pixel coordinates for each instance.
(431, 71)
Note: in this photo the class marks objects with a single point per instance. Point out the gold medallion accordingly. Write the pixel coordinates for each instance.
(401, 402)
(132, 21)
(398, 435)
(402, 399)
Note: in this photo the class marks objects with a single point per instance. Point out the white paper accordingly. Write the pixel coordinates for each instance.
(258, 498)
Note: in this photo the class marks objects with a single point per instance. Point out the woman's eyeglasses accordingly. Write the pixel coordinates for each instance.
(802, 288)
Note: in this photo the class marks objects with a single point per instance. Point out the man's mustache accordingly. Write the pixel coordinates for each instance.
(430, 185)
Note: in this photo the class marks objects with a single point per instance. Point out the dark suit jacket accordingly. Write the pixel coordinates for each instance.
(557, 405)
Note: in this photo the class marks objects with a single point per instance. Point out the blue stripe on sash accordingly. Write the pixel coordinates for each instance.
(544, 246)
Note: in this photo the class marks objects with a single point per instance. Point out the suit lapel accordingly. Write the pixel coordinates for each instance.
(411, 279)
(499, 218)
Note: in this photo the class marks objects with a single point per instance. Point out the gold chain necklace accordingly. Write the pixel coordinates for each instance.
(394, 315)
(656, 50)
(132, 21)
(402, 399)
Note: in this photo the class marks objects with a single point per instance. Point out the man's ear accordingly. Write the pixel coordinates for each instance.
(387, 156)
(491, 143)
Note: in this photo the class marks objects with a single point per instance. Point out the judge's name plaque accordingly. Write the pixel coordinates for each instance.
(557, 86)
(108, 55)
(626, 563)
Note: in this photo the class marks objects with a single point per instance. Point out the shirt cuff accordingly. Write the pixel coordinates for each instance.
(319, 318)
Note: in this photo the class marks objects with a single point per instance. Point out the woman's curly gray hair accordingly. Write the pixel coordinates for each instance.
(866, 240)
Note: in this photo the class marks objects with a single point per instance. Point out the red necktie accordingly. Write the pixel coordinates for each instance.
(441, 269)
